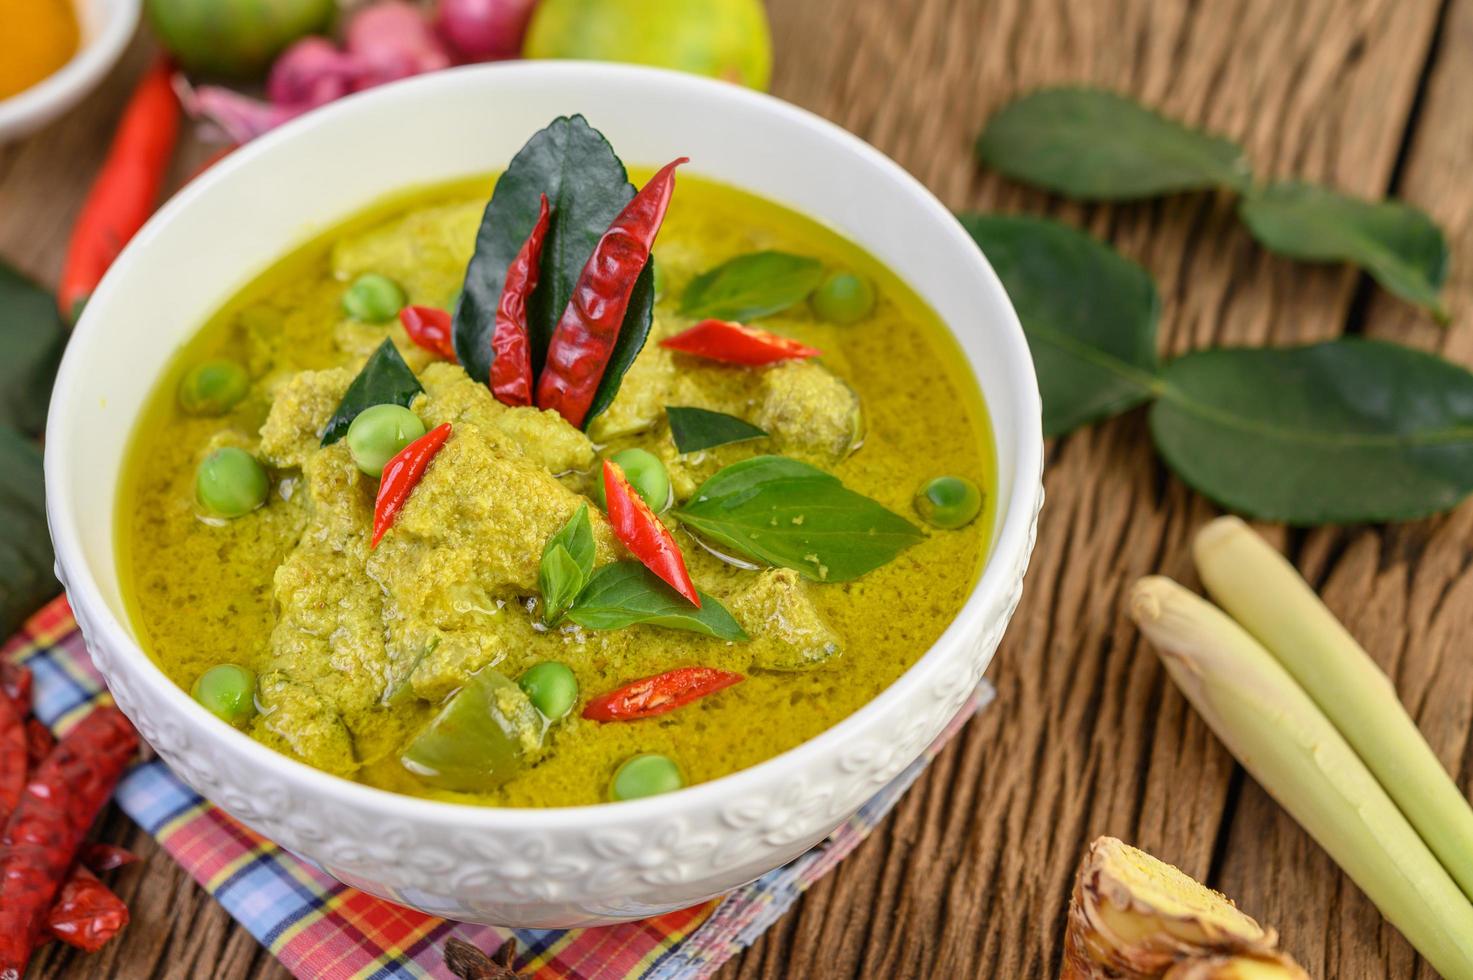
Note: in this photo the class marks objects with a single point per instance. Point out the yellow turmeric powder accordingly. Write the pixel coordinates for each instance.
(39, 36)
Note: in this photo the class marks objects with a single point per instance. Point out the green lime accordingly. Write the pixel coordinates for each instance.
(726, 39)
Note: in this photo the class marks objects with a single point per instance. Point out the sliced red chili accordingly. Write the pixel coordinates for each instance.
(644, 535)
(401, 475)
(735, 343)
(86, 913)
(42, 836)
(656, 695)
(429, 327)
(511, 345)
(123, 195)
(584, 339)
(99, 857)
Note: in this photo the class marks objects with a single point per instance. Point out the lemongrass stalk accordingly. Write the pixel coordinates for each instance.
(1259, 588)
(1278, 734)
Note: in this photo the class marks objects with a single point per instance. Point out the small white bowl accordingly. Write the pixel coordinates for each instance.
(106, 27)
(524, 867)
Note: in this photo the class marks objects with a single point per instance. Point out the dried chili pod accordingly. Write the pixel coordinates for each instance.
(99, 857)
(86, 913)
(511, 343)
(42, 836)
(12, 757)
(15, 683)
(39, 742)
(584, 338)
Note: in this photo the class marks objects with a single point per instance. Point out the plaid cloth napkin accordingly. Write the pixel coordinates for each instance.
(320, 928)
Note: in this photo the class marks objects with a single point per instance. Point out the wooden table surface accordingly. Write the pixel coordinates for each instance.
(970, 875)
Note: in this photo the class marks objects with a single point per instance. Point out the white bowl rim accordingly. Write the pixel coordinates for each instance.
(60, 90)
(1011, 537)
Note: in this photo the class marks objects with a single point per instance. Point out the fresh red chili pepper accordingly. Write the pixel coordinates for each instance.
(644, 535)
(401, 475)
(98, 857)
(584, 339)
(511, 345)
(659, 694)
(86, 913)
(429, 327)
(735, 343)
(39, 742)
(12, 757)
(15, 683)
(123, 195)
(43, 834)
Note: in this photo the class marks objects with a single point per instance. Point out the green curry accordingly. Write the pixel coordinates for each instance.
(354, 651)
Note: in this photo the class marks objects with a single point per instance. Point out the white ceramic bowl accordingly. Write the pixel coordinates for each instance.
(559, 867)
(106, 27)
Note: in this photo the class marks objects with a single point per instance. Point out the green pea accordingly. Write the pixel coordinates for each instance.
(551, 687)
(645, 473)
(230, 483)
(844, 298)
(213, 387)
(646, 775)
(379, 433)
(373, 298)
(228, 692)
(949, 502)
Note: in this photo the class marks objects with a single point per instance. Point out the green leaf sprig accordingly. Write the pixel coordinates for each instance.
(785, 512)
(1345, 431)
(567, 564)
(750, 286)
(625, 593)
(384, 380)
(1096, 145)
(586, 187)
(695, 429)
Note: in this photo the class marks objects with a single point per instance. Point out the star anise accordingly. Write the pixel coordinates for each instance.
(470, 963)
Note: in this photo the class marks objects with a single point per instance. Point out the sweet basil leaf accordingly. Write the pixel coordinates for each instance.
(1347, 431)
(1397, 244)
(560, 580)
(31, 340)
(694, 429)
(750, 286)
(384, 380)
(1089, 313)
(626, 593)
(567, 562)
(586, 186)
(1096, 145)
(784, 512)
(27, 576)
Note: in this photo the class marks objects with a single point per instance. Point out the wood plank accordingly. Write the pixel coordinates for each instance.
(1088, 737)
(969, 876)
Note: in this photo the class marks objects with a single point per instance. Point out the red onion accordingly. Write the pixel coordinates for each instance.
(392, 40)
(484, 30)
(312, 72)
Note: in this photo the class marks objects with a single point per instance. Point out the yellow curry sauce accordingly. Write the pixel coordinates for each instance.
(39, 36)
(253, 591)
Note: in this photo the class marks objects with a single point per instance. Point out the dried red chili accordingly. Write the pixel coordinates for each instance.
(98, 857)
(584, 339)
(39, 742)
(735, 343)
(429, 327)
(401, 475)
(644, 535)
(511, 345)
(12, 757)
(656, 695)
(43, 834)
(15, 683)
(123, 195)
(86, 913)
